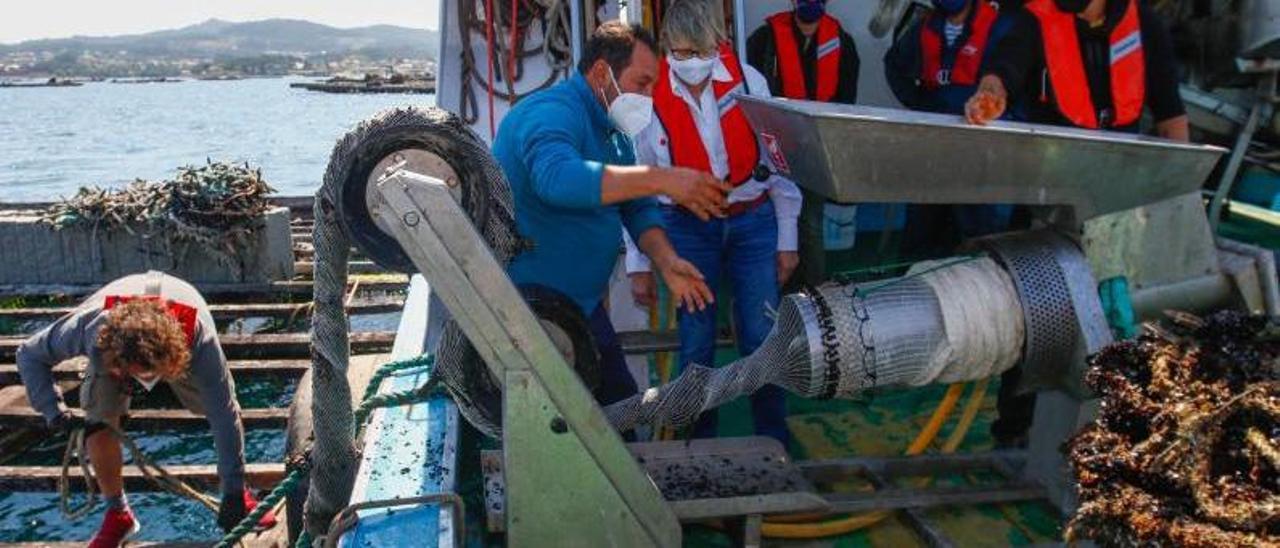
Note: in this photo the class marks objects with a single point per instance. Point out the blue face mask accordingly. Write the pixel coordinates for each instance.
(950, 7)
(809, 11)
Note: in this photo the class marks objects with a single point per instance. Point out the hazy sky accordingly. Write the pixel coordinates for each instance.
(24, 20)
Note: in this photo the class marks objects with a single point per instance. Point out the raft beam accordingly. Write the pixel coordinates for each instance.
(45, 478)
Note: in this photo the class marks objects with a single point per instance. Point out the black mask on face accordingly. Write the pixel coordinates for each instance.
(1072, 6)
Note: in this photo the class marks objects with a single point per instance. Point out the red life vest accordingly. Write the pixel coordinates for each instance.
(683, 140)
(1067, 72)
(186, 315)
(789, 67)
(964, 71)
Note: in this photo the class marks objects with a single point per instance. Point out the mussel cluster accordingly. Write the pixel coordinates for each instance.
(1186, 447)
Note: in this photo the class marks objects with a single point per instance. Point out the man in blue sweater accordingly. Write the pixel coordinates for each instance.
(568, 155)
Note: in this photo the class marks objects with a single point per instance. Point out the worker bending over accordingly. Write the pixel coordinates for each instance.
(934, 66)
(700, 125)
(804, 53)
(138, 331)
(567, 152)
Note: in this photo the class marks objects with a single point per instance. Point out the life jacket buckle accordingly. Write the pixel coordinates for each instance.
(1106, 117)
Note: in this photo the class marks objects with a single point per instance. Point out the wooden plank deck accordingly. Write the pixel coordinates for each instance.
(240, 369)
(26, 417)
(240, 347)
(220, 291)
(306, 268)
(380, 305)
(45, 478)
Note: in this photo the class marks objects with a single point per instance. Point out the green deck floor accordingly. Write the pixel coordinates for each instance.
(884, 424)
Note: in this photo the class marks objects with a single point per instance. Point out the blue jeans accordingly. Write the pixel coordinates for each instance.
(616, 383)
(743, 249)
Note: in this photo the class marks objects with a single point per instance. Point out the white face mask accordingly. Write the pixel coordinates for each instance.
(629, 112)
(148, 384)
(692, 71)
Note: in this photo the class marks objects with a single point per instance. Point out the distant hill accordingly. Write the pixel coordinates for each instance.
(220, 39)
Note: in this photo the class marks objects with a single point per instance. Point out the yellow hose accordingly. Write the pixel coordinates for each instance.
(663, 360)
(782, 527)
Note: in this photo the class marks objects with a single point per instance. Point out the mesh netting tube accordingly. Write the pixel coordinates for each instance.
(953, 320)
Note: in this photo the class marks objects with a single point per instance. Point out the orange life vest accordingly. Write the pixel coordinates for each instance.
(964, 70)
(186, 315)
(683, 140)
(1067, 72)
(789, 67)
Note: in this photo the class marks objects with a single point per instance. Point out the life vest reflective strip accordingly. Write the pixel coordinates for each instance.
(788, 52)
(186, 315)
(1067, 72)
(964, 70)
(683, 140)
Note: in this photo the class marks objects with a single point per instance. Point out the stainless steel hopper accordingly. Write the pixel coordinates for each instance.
(865, 154)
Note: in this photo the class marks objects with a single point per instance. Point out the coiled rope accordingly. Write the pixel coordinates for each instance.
(153, 472)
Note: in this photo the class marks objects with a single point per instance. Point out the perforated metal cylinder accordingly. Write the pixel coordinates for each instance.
(1059, 296)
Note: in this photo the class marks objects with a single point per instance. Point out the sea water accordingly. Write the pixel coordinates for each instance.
(55, 140)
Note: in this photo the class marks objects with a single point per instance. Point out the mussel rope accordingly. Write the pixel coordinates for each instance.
(371, 400)
(154, 472)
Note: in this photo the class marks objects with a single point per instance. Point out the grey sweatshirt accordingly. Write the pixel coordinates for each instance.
(76, 335)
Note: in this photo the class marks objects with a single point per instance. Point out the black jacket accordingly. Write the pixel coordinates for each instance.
(762, 53)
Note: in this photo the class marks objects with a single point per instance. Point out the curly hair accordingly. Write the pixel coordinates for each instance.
(142, 332)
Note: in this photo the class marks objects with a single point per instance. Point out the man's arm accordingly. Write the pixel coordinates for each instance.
(212, 379)
(850, 64)
(550, 145)
(1007, 68)
(761, 53)
(37, 356)
(1162, 78)
(638, 217)
(698, 191)
(902, 67)
(551, 148)
(1013, 57)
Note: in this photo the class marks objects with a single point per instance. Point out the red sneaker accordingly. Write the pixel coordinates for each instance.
(117, 527)
(268, 520)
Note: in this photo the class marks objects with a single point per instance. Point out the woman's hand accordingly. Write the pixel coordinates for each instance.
(787, 263)
(688, 288)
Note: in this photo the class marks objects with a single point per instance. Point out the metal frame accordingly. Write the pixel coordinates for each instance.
(853, 153)
(552, 426)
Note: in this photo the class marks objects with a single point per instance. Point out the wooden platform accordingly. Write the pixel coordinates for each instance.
(284, 311)
(143, 419)
(239, 347)
(219, 292)
(45, 478)
(240, 370)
